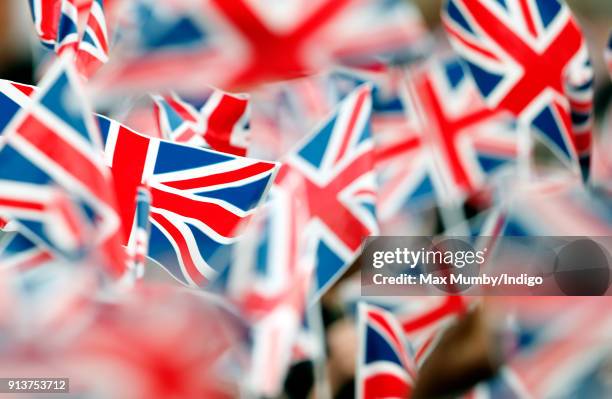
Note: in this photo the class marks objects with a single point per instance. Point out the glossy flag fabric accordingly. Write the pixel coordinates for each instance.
(530, 58)
(55, 184)
(222, 123)
(334, 166)
(385, 367)
(210, 194)
(451, 145)
(187, 45)
(199, 198)
(77, 27)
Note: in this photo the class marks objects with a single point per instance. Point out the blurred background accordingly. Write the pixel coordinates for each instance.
(481, 340)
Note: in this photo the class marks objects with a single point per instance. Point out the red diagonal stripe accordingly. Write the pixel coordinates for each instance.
(36, 258)
(49, 18)
(385, 154)
(528, 17)
(95, 26)
(222, 121)
(221, 178)
(21, 204)
(451, 305)
(467, 43)
(325, 205)
(180, 108)
(348, 134)
(215, 216)
(183, 248)
(64, 154)
(185, 135)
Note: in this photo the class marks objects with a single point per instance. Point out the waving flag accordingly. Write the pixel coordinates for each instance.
(271, 259)
(17, 251)
(450, 145)
(422, 320)
(525, 56)
(67, 29)
(59, 25)
(46, 16)
(221, 124)
(185, 44)
(403, 166)
(425, 319)
(269, 280)
(199, 198)
(336, 166)
(468, 140)
(54, 182)
(385, 368)
(94, 45)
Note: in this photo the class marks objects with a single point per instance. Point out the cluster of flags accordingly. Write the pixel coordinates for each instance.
(188, 45)
(220, 124)
(508, 46)
(75, 26)
(365, 123)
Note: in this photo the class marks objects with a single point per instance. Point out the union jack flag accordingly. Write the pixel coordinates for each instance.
(385, 367)
(94, 45)
(46, 15)
(199, 198)
(271, 258)
(395, 133)
(424, 320)
(55, 185)
(17, 250)
(59, 25)
(465, 145)
(269, 280)
(67, 36)
(236, 44)
(335, 165)
(221, 124)
(529, 57)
